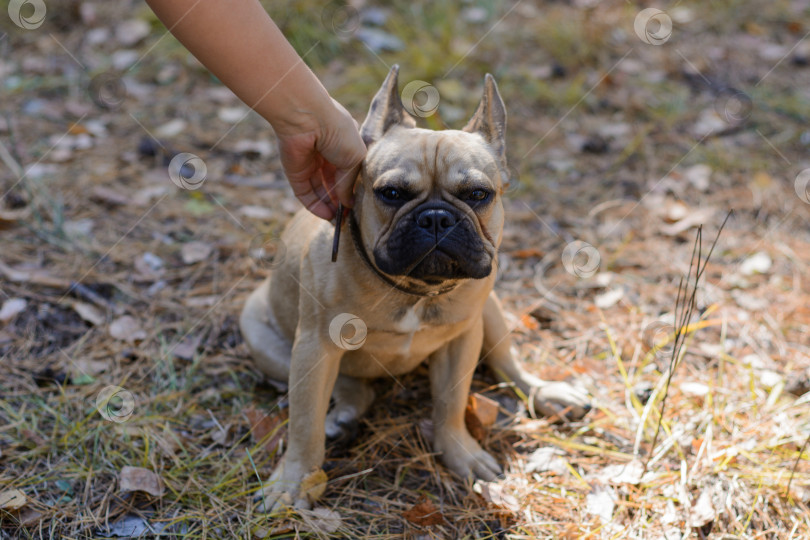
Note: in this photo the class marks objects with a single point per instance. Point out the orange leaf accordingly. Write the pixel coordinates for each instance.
(424, 513)
(529, 322)
(526, 253)
(262, 425)
(77, 129)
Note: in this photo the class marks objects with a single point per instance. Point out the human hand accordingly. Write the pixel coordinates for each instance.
(322, 163)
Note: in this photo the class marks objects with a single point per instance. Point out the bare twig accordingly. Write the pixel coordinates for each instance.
(684, 308)
(796, 464)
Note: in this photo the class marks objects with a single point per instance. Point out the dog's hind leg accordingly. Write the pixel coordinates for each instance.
(550, 398)
(352, 398)
(270, 351)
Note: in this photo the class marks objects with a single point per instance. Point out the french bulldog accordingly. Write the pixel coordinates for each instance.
(413, 283)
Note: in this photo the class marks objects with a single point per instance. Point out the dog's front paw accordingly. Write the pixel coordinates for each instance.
(464, 456)
(289, 487)
(560, 399)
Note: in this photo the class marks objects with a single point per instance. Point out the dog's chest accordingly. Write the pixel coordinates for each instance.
(398, 342)
(408, 322)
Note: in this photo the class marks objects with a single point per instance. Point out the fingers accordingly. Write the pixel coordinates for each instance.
(322, 167)
(344, 150)
(313, 195)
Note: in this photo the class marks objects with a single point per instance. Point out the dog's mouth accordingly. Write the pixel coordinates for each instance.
(434, 249)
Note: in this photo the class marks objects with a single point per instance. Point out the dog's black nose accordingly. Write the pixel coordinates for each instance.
(436, 220)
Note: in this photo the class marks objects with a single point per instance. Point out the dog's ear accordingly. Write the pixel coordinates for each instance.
(489, 120)
(386, 110)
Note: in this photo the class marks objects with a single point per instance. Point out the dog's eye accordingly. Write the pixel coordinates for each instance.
(392, 195)
(477, 195)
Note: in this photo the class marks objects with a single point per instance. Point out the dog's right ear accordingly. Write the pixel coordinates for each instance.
(386, 110)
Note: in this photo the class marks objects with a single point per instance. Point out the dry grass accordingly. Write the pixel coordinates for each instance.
(604, 141)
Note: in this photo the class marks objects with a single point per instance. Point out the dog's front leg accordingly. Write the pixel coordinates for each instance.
(313, 369)
(451, 371)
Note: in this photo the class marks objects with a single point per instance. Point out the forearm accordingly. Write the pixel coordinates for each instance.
(239, 43)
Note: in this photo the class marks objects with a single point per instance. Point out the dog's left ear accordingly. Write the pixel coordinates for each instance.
(489, 121)
(386, 110)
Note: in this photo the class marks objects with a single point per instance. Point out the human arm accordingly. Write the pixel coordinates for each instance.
(321, 149)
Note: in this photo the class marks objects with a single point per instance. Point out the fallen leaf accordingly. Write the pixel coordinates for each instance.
(484, 408)
(194, 252)
(109, 196)
(262, 148)
(609, 298)
(262, 425)
(547, 459)
(378, 40)
(529, 322)
(140, 479)
(89, 313)
(424, 513)
(28, 517)
(750, 302)
(769, 379)
(622, 473)
(691, 388)
(149, 265)
(13, 499)
(187, 348)
(699, 176)
(12, 216)
(132, 526)
(320, 520)
(130, 32)
(313, 485)
(122, 60)
(703, 511)
(758, 263)
(691, 219)
(143, 197)
(127, 329)
(527, 253)
(90, 367)
(78, 227)
(496, 494)
(473, 424)
(170, 129)
(11, 308)
(256, 212)
(202, 301)
(601, 502)
(232, 115)
(37, 276)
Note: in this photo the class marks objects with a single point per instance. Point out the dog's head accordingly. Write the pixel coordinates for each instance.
(429, 202)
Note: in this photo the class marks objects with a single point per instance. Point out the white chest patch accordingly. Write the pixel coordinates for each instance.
(410, 323)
